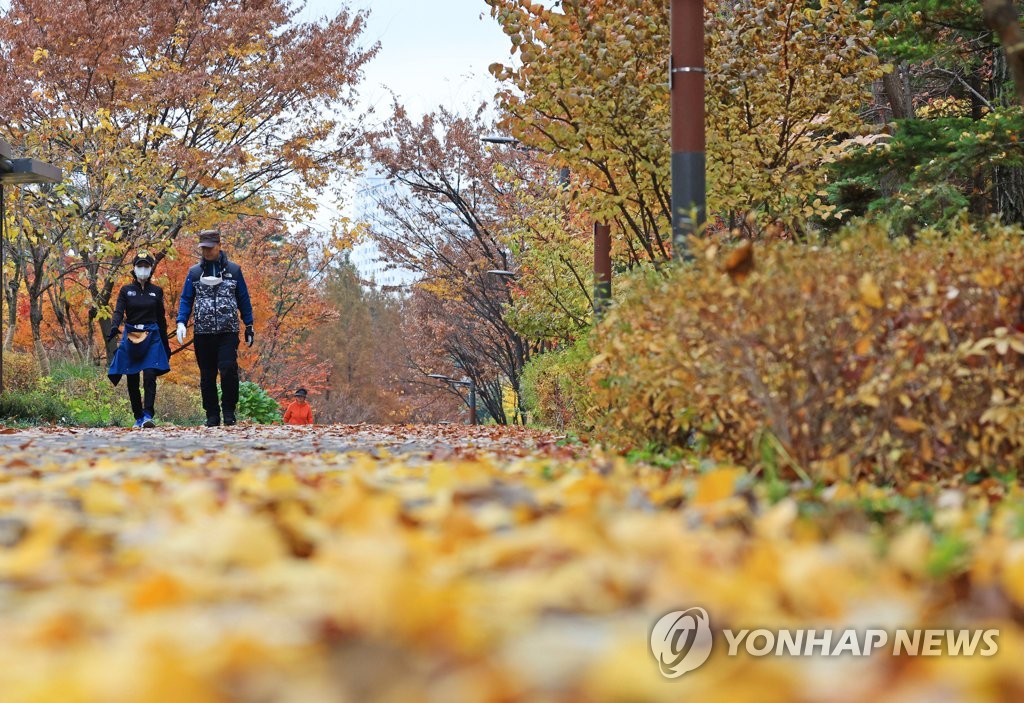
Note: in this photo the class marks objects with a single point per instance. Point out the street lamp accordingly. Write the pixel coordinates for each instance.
(602, 236)
(16, 172)
(469, 383)
(499, 139)
(563, 172)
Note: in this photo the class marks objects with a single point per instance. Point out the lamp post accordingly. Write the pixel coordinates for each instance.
(602, 268)
(602, 235)
(15, 172)
(510, 276)
(469, 383)
(686, 86)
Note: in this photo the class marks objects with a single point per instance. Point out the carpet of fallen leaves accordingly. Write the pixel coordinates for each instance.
(453, 564)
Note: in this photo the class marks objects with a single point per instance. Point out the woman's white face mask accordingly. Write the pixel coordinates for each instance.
(210, 280)
(142, 272)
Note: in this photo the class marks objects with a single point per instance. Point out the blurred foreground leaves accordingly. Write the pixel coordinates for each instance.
(481, 565)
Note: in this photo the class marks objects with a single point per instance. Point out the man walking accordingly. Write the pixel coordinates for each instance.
(215, 291)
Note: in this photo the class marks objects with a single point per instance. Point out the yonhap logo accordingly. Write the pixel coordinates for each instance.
(681, 641)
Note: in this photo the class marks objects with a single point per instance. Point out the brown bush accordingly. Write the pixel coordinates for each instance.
(178, 404)
(864, 358)
(21, 371)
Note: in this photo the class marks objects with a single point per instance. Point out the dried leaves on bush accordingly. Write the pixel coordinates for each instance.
(865, 358)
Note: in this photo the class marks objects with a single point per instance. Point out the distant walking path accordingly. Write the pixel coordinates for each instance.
(255, 441)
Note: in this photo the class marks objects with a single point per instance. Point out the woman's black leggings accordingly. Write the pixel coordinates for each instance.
(140, 406)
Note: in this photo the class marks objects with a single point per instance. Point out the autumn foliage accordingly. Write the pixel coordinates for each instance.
(167, 119)
(442, 218)
(589, 89)
(861, 359)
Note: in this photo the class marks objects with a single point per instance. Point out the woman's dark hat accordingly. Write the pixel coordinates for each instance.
(301, 393)
(144, 257)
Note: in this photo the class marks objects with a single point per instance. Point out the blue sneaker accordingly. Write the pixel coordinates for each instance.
(138, 424)
(147, 421)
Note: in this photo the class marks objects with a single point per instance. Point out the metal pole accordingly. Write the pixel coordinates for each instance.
(602, 267)
(686, 82)
(472, 402)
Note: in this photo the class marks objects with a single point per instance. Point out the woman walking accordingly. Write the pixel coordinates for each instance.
(144, 347)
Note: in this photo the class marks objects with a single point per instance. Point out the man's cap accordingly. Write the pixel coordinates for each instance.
(144, 257)
(301, 393)
(209, 237)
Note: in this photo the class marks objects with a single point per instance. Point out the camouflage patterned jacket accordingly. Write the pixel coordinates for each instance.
(216, 308)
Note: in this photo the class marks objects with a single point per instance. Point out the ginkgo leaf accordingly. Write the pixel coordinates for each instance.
(908, 424)
(870, 293)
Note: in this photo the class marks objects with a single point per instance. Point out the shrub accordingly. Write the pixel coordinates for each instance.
(555, 389)
(88, 394)
(179, 404)
(66, 369)
(21, 371)
(869, 357)
(255, 404)
(33, 406)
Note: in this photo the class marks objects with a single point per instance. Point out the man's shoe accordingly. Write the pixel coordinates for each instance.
(213, 422)
(147, 421)
(229, 420)
(138, 424)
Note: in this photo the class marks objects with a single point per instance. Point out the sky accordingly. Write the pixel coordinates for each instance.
(433, 53)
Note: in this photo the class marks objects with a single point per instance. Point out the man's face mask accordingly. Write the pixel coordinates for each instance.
(210, 280)
(142, 272)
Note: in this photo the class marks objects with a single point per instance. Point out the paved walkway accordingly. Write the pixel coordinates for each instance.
(412, 442)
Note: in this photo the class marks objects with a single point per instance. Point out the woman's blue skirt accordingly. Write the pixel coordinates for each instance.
(133, 358)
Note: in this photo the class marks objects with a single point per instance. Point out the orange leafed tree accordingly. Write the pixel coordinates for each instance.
(167, 117)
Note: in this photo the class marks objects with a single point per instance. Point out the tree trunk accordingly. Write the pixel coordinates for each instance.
(1009, 194)
(1002, 18)
(896, 85)
(1007, 189)
(36, 289)
(10, 293)
(979, 195)
(36, 318)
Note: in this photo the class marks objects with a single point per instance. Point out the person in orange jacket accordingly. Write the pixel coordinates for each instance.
(299, 412)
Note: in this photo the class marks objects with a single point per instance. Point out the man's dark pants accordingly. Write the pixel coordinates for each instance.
(218, 352)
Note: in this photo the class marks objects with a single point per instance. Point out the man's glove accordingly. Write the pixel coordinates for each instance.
(112, 333)
(250, 336)
(181, 333)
